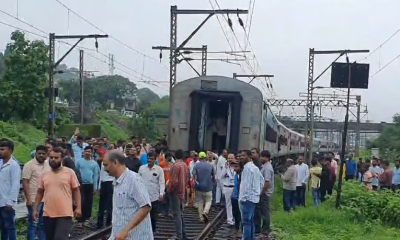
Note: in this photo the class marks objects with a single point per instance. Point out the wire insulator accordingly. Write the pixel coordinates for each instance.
(240, 22)
(96, 44)
(230, 22)
(187, 52)
(160, 55)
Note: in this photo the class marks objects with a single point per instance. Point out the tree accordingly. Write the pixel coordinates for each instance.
(101, 90)
(388, 141)
(146, 96)
(161, 106)
(144, 125)
(2, 66)
(24, 80)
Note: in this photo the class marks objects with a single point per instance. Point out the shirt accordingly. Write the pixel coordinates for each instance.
(10, 179)
(396, 176)
(290, 178)
(204, 173)
(251, 183)
(154, 180)
(227, 176)
(302, 174)
(166, 166)
(178, 179)
(133, 164)
(235, 193)
(89, 170)
(58, 186)
(129, 196)
(314, 178)
(76, 148)
(219, 166)
(267, 171)
(378, 170)
(32, 171)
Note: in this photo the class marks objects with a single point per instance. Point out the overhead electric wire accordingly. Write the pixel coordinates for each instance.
(237, 40)
(380, 46)
(78, 47)
(249, 22)
(385, 66)
(109, 35)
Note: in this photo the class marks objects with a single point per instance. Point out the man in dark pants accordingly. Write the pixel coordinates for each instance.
(106, 196)
(267, 172)
(89, 170)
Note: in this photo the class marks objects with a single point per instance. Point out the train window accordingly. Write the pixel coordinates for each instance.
(209, 85)
(270, 134)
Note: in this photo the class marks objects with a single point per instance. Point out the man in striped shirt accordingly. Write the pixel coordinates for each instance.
(249, 194)
(131, 201)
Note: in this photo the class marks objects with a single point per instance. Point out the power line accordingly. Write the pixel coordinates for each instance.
(380, 46)
(78, 47)
(110, 36)
(249, 22)
(390, 62)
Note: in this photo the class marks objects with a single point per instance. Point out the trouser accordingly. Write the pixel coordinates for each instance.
(265, 211)
(247, 213)
(228, 203)
(349, 177)
(154, 215)
(236, 213)
(301, 195)
(203, 202)
(35, 229)
(177, 212)
(105, 203)
(57, 228)
(218, 191)
(395, 187)
(86, 202)
(166, 203)
(7, 224)
(316, 196)
(289, 199)
(257, 218)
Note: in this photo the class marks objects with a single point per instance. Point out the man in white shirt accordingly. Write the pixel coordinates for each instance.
(219, 176)
(153, 177)
(227, 179)
(302, 176)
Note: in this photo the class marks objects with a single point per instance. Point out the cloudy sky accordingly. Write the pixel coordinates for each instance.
(280, 35)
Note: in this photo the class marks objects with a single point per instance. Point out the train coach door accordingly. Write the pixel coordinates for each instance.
(203, 123)
(228, 126)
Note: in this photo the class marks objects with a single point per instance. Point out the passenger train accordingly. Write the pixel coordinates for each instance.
(216, 112)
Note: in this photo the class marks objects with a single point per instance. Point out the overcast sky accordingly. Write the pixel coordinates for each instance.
(281, 34)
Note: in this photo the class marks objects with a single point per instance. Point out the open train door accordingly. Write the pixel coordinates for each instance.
(228, 126)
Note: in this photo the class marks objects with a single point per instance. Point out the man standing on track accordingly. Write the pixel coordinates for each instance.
(30, 176)
(56, 189)
(131, 201)
(153, 177)
(176, 187)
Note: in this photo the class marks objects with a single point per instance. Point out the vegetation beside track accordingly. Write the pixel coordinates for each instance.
(363, 215)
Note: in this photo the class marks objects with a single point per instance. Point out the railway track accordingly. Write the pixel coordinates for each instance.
(195, 230)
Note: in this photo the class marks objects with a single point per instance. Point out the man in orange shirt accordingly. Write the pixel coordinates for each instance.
(56, 189)
(165, 164)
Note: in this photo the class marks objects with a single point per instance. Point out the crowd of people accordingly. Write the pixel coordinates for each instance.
(138, 183)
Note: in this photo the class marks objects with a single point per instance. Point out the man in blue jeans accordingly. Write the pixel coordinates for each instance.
(10, 174)
(249, 194)
(30, 176)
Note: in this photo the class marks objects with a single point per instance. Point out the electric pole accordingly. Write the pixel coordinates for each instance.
(174, 48)
(53, 65)
(111, 66)
(310, 89)
(81, 103)
(357, 140)
(252, 76)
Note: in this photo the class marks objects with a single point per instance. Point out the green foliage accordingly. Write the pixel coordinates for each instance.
(388, 141)
(366, 205)
(146, 97)
(113, 125)
(24, 80)
(326, 222)
(100, 90)
(25, 137)
(161, 106)
(85, 130)
(144, 125)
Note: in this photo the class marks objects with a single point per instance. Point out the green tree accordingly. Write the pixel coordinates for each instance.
(2, 66)
(146, 96)
(161, 106)
(388, 141)
(144, 125)
(101, 90)
(24, 80)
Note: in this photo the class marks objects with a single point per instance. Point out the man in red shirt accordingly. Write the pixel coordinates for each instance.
(176, 187)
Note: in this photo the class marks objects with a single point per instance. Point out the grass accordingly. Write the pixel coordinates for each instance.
(323, 223)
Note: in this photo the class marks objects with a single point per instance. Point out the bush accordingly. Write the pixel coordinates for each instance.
(328, 223)
(366, 205)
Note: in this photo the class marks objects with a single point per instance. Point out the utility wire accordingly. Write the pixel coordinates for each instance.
(78, 47)
(382, 68)
(110, 36)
